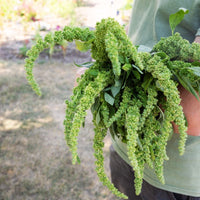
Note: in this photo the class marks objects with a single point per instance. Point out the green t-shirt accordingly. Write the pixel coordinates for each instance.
(149, 22)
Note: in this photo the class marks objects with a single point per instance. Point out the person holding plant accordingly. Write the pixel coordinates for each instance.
(149, 22)
(143, 88)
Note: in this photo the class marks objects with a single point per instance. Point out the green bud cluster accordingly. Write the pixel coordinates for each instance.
(112, 50)
(100, 133)
(91, 91)
(132, 121)
(178, 48)
(173, 111)
(122, 108)
(68, 34)
(151, 102)
(132, 94)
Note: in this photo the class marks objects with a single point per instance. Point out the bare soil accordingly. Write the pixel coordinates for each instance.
(35, 162)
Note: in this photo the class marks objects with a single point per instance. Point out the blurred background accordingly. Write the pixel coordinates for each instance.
(35, 162)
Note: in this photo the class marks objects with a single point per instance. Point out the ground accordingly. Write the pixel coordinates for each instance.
(35, 162)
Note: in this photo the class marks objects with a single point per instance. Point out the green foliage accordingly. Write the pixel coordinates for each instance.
(176, 18)
(178, 48)
(68, 34)
(124, 89)
(83, 46)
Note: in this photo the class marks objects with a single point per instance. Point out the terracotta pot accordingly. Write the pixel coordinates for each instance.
(191, 109)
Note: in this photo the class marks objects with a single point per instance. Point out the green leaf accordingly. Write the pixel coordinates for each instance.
(109, 98)
(86, 64)
(96, 105)
(113, 130)
(136, 74)
(126, 67)
(190, 88)
(83, 46)
(134, 66)
(98, 117)
(162, 115)
(121, 59)
(196, 71)
(187, 85)
(115, 90)
(117, 82)
(159, 86)
(107, 89)
(125, 79)
(148, 78)
(176, 18)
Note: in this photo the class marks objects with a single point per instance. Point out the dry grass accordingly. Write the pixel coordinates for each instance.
(35, 162)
